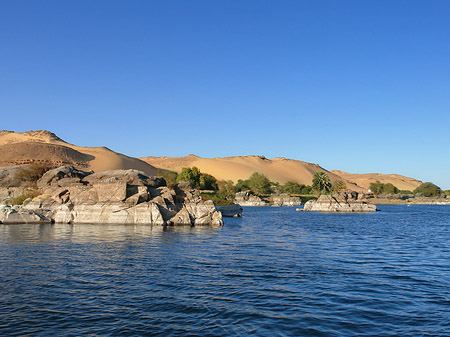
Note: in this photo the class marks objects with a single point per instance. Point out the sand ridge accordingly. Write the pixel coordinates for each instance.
(277, 169)
(44, 146)
(364, 179)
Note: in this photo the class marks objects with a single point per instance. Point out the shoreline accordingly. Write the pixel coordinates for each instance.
(421, 201)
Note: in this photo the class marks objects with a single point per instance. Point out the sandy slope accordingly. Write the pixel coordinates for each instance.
(21, 148)
(364, 180)
(241, 167)
(44, 146)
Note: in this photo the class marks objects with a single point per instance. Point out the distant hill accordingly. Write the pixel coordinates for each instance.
(276, 169)
(18, 148)
(364, 180)
(281, 170)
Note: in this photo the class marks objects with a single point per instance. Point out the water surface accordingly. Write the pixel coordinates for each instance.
(274, 272)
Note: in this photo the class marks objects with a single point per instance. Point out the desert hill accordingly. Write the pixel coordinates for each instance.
(241, 167)
(364, 180)
(42, 146)
(17, 148)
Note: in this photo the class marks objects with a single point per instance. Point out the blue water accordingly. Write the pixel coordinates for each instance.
(274, 272)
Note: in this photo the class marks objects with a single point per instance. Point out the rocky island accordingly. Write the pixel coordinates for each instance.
(70, 195)
(341, 202)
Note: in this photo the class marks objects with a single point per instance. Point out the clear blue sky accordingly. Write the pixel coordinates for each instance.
(360, 86)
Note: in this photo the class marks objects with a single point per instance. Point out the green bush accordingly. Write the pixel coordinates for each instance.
(217, 199)
(190, 174)
(202, 181)
(294, 188)
(258, 183)
(428, 189)
(207, 182)
(169, 176)
(380, 188)
(227, 190)
(242, 185)
(339, 185)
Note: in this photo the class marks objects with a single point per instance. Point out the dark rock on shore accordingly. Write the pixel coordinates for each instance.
(231, 211)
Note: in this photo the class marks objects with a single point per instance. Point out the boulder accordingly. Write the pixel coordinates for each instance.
(11, 192)
(247, 198)
(21, 216)
(285, 199)
(347, 202)
(8, 176)
(130, 177)
(62, 176)
(232, 211)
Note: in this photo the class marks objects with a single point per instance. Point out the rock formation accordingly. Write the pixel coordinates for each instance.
(70, 195)
(285, 200)
(347, 202)
(246, 198)
(232, 211)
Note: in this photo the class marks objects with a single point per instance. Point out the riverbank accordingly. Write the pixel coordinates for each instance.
(410, 201)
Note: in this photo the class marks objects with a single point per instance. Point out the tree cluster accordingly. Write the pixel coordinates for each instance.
(428, 190)
(202, 181)
(380, 188)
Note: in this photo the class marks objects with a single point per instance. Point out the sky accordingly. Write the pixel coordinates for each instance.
(359, 86)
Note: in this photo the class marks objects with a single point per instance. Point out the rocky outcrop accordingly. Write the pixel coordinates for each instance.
(231, 211)
(246, 198)
(10, 186)
(345, 202)
(117, 197)
(285, 200)
(17, 215)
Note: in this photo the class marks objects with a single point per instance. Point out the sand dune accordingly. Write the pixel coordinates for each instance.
(281, 170)
(44, 146)
(364, 180)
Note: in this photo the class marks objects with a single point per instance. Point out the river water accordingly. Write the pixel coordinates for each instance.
(274, 272)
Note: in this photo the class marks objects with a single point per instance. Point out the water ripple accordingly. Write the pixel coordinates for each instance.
(274, 272)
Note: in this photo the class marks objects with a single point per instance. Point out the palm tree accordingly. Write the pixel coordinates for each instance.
(321, 183)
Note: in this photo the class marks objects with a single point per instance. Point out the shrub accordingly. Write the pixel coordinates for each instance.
(32, 172)
(294, 188)
(390, 189)
(242, 185)
(169, 176)
(259, 184)
(216, 199)
(21, 198)
(428, 189)
(227, 190)
(380, 188)
(190, 174)
(339, 185)
(207, 182)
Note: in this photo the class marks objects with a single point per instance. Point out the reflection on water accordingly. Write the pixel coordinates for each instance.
(273, 272)
(28, 233)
